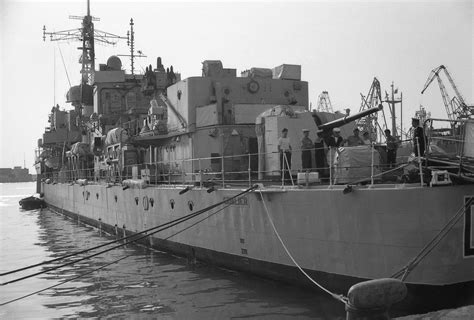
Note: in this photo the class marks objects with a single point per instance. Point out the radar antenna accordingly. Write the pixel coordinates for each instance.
(131, 44)
(87, 35)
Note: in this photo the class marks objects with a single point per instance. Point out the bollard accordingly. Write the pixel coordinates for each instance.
(371, 300)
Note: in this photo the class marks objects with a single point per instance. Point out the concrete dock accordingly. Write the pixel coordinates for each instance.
(462, 313)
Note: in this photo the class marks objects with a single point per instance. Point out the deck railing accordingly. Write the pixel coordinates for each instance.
(230, 170)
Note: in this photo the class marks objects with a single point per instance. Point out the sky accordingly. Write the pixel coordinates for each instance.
(341, 46)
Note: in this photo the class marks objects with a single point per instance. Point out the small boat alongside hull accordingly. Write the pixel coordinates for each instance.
(32, 203)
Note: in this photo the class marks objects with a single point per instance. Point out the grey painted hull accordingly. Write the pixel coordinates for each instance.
(366, 234)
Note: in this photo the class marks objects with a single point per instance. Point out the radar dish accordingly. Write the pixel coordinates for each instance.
(114, 63)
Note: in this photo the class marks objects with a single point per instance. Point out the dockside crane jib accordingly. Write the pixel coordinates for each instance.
(456, 108)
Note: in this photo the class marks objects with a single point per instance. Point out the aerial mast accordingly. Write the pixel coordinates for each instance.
(88, 35)
(392, 101)
(131, 44)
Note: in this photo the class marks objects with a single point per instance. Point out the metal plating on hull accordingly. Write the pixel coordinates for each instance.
(339, 235)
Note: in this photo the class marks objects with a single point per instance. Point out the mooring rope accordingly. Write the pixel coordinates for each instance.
(431, 245)
(338, 297)
(65, 281)
(109, 263)
(137, 238)
(199, 221)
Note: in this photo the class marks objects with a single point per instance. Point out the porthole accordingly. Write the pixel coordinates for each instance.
(172, 204)
(136, 201)
(190, 205)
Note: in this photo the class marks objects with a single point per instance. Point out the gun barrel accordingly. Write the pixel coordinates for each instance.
(342, 121)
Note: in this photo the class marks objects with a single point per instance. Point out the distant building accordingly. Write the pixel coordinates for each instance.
(17, 174)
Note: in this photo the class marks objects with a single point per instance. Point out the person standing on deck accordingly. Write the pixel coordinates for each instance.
(320, 154)
(284, 149)
(366, 138)
(418, 137)
(355, 140)
(392, 146)
(334, 142)
(306, 147)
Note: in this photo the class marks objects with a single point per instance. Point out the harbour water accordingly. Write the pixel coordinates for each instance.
(144, 284)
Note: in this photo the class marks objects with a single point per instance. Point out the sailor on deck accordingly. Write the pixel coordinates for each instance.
(306, 147)
(320, 153)
(334, 142)
(392, 146)
(284, 149)
(355, 140)
(418, 137)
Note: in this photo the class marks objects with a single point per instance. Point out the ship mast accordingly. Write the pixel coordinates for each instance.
(88, 35)
(392, 103)
(131, 44)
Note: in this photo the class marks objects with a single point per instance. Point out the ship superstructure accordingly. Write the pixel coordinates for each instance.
(146, 149)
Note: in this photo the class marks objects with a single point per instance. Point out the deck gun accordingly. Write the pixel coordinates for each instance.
(347, 119)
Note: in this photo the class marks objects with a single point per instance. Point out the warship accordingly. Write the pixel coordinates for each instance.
(141, 150)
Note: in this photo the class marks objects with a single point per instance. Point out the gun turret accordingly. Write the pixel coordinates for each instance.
(342, 121)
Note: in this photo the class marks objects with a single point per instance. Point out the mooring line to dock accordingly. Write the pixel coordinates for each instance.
(65, 281)
(431, 245)
(116, 260)
(137, 235)
(338, 297)
(199, 221)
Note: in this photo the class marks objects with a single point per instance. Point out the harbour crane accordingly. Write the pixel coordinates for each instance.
(456, 108)
(324, 103)
(371, 123)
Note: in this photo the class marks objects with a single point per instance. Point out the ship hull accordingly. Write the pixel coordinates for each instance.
(340, 239)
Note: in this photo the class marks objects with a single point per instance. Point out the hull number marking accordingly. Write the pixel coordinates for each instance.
(240, 201)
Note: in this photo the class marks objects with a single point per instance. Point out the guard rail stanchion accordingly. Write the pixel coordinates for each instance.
(419, 161)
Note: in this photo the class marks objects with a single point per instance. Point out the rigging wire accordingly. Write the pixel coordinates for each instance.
(121, 239)
(199, 221)
(63, 282)
(431, 245)
(64, 64)
(338, 297)
(138, 237)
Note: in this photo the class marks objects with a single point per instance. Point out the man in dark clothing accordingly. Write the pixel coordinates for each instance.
(320, 154)
(418, 137)
(392, 146)
(335, 140)
(306, 147)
